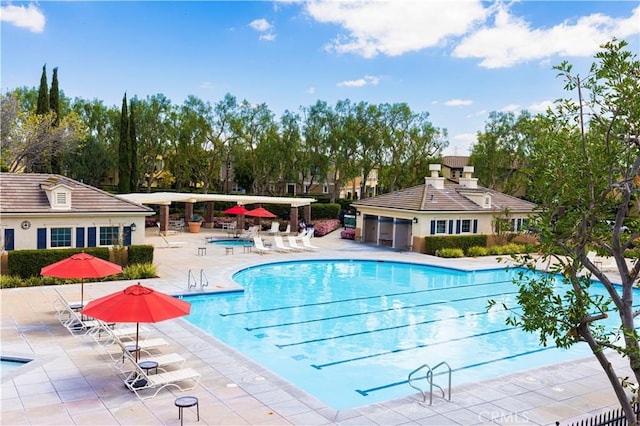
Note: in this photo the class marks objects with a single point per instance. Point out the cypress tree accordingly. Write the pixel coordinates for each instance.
(54, 105)
(133, 147)
(42, 106)
(124, 151)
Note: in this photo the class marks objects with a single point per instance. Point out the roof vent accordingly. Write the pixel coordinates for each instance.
(467, 180)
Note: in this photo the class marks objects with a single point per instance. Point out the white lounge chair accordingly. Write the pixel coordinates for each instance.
(306, 243)
(249, 233)
(138, 381)
(78, 324)
(275, 228)
(294, 244)
(279, 245)
(162, 360)
(171, 244)
(258, 245)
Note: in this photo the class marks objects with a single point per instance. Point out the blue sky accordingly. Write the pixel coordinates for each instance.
(458, 60)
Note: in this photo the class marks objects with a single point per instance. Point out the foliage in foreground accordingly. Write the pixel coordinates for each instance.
(583, 172)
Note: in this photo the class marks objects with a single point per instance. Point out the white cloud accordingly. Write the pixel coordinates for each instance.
(367, 80)
(511, 108)
(511, 40)
(540, 106)
(311, 90)
(458, 102)
(261, 25)
(206, 85)
(395, 27)
(29, 17)
(267, 37)
(480, 113)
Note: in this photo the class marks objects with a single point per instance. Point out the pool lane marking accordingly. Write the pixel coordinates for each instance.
(420, 346)
(393, 308)
(376, 330)
(360, 298)
(366, 392)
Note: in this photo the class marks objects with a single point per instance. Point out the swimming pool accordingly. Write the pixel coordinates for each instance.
(349, 332)
(232, 243)
(10, 364)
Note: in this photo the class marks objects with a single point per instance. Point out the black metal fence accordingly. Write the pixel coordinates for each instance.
(610, 418)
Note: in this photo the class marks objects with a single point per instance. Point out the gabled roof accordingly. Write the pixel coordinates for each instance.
(26, 193)
(452, 197)
(455, 161)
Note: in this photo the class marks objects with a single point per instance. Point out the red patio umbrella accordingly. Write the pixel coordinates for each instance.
(260, 212)
(81, 265)
(137, 304)
(237, 210)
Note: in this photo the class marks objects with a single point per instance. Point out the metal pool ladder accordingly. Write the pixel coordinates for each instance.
(413, 378)
(193, 283)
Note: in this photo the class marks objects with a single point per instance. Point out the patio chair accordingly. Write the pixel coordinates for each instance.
(138, 381)
(294, 244)
(171, 244)
(306, 242)
(279, 245)
(160, 361)
(258, 246)
(76, 324)
(275, 228)
(104, 333)
(249, 233)
(64, 308)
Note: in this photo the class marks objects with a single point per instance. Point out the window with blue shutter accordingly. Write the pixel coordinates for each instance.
(433, 227)
(475, 226)
(458, 226)
(127, 235)
(79, 237)
(450, 226)
(9, 239)
(42, 238)
(91, 233)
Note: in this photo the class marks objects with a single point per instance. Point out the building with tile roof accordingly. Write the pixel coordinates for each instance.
(402, 219)
(41, 211)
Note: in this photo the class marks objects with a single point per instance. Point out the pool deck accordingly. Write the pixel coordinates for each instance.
(71, 380)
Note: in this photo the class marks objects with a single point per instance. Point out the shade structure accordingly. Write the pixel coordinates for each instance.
(137, 303)
(81, 265)
(237, 210)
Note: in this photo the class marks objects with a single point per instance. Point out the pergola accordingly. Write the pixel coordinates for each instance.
(165, 199)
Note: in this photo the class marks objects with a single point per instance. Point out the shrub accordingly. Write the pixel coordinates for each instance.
(433, 243)
(451, 252)
(323, 227)
(139, 271)
(476, 251)
(348, 234)
(10, 281)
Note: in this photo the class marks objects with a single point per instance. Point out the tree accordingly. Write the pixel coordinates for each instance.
(501, 152)
(584, 167)
(42, 106)
(133, 149)
(54, 105)
(152, 134)
(124, 151)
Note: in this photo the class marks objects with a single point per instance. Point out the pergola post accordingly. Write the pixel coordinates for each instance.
(164, 218)
(293, 218)
(208, 218)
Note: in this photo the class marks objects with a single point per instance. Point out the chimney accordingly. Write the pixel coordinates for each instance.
(434, 180)
(467, 180)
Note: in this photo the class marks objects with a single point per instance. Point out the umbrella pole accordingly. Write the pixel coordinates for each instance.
(137, 350)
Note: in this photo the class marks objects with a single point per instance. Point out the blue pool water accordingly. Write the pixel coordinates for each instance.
(8, 364)
(349, 332)
(232, 243)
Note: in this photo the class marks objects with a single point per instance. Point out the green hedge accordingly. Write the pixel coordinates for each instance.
(464, 242)
(28, 263)
(140, 254)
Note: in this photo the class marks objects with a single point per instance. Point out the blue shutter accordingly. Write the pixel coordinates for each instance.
(458, 226)
(42, 238)
(79, 237)
(475, 226)
(9, 241)
(433, 227)
(92, 237)
(450, 226)
(127, 235)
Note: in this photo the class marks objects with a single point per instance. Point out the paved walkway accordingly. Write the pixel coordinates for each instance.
(71, 381)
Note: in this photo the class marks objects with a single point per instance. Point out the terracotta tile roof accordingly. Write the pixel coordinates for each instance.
(24, 193)
(455, 161)
(452, 198)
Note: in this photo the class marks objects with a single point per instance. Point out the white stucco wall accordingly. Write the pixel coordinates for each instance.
(26, 237)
